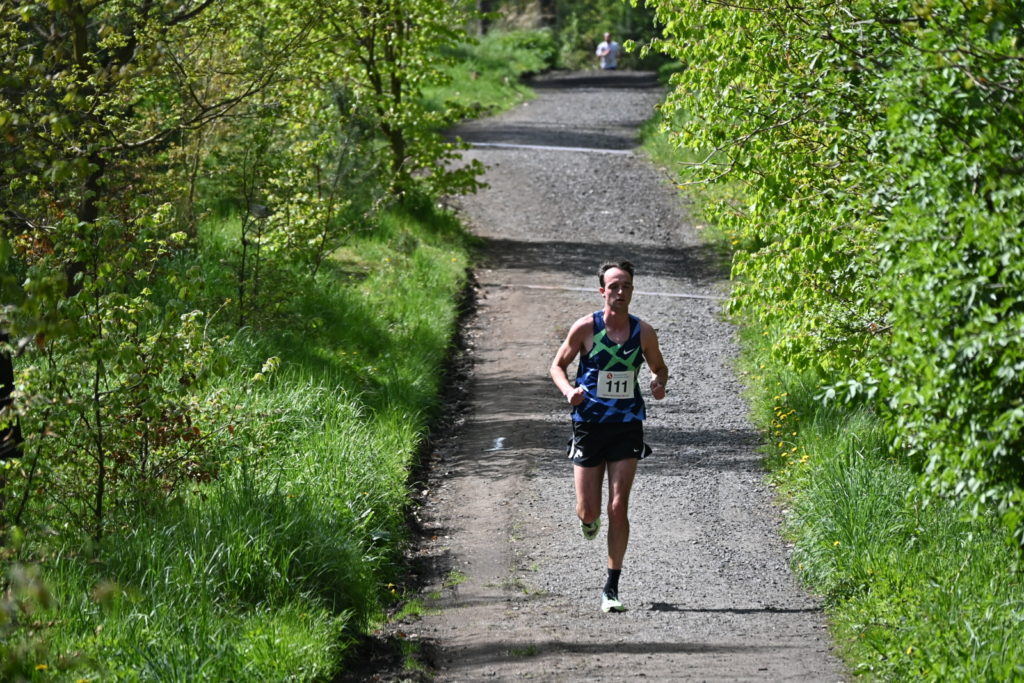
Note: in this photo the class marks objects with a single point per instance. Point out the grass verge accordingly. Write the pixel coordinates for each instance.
(267, 571)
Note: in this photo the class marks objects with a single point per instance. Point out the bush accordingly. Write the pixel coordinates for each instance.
(880, 227)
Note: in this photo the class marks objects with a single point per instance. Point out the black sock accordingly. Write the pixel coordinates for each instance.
(612, 584)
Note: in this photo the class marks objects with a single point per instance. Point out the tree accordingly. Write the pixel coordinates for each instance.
(387, 51)
(94, 96)
(793, 116)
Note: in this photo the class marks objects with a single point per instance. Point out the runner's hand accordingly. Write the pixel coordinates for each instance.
(576, 397)
(657, 389)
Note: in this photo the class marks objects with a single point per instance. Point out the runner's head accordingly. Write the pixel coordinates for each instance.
(617, 286)
(605, 267)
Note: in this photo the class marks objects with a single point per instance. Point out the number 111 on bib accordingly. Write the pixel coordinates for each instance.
(616, 385)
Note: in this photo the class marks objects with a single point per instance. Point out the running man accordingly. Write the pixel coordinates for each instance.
(608, 52)
(608, 411)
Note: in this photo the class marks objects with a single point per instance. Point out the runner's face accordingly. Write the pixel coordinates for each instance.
(618, 288)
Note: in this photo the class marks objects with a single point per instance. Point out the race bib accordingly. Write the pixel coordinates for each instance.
(616, 384)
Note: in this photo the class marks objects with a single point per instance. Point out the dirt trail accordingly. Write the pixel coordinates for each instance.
(706, 578)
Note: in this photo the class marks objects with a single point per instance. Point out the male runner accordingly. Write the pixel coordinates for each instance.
(608, 52)
(608, 411)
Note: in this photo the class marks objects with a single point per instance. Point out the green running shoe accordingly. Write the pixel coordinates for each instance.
(610, 603)
(590, 530)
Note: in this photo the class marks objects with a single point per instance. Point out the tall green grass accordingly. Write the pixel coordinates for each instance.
(268, 571)
(913, 589)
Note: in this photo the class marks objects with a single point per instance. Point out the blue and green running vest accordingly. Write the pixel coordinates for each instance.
(606, 357)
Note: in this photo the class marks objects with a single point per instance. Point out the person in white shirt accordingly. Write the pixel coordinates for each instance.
(608, 52)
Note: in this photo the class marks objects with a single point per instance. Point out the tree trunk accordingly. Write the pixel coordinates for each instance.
(485, 7)
(548, 12)
(10, 436)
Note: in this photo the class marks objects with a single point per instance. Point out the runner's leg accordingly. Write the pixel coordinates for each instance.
(588, 492)
(620, 482)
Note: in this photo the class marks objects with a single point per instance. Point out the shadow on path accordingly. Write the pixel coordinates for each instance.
(551, 135)
(556, 80)
(669, 607)
(547, 128)
(700, 265)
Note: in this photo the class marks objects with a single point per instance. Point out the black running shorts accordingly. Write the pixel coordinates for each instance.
(595, 443)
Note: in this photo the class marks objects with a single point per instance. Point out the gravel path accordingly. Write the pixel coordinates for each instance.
(514, 587)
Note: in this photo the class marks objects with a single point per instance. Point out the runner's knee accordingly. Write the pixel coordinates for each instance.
(618, 510)
(588, 512)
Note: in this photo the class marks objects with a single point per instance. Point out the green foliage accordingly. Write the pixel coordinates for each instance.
(93, 109)
(288, 550)
(953, 257)
(870, 155)
(486, 73)
(579, 26)
(754, 118)
(26, 597)
(879, 227)
(521, 52)
(119, 129)
(112, 392)
(387, 52)
(197, 203)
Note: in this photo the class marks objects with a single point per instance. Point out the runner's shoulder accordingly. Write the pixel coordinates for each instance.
(647, 330)
(584, 324)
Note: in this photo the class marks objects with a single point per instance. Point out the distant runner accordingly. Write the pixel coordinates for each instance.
(608, 52)
(608, 411)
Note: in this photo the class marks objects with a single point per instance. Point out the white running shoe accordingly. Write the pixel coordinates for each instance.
(610, 603)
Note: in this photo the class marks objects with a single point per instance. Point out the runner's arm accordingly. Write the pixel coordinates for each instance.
(566, 354)
(652, 354)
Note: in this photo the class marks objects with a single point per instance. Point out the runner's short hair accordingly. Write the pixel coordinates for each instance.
(621, 265)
